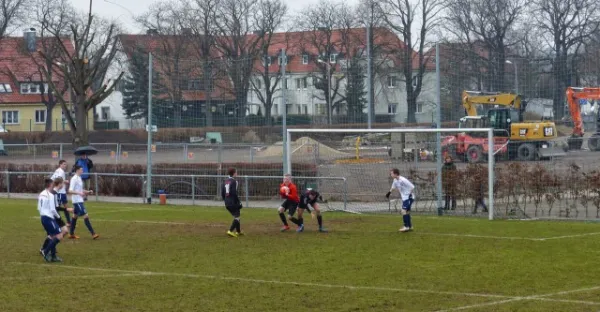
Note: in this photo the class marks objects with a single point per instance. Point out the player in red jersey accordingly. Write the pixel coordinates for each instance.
(289, 192)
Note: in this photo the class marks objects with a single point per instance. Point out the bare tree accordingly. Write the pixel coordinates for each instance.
(53, 16)
(405, 16)
(327, 36)
(200, 16)
(489, 25)
(269, 18)
(172, 52)
(12, 14)
(566, 24)
(95, 46)
(239, 47)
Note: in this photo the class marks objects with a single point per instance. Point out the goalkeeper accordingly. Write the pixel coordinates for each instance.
(289, 192)
(405, 188)
(309, 199)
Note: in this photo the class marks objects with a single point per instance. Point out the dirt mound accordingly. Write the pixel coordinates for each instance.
(302, 146)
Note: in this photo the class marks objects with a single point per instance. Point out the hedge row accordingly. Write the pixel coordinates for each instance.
(177, 185)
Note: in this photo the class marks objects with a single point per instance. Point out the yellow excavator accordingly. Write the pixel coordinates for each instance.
(526, 140)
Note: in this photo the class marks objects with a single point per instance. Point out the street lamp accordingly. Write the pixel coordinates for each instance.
(516, 75)
(328, 88)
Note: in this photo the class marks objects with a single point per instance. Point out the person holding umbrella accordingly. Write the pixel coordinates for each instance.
(85, 163)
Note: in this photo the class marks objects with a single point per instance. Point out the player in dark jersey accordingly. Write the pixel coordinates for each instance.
(289, 192)
(309, 199)
(232, 202)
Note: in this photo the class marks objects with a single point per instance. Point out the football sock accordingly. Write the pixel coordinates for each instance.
(233, 225)
(67, 216)
(296, 222)
(238, 226)
(406, 219)
(282, 217)
(300, 221)
(320, 220)
(51, 245)
(89, 226)
(46, 242)
(73, 224)
(53, 251)
(409, 221)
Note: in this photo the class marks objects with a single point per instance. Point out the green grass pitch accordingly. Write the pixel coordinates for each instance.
(167, 258)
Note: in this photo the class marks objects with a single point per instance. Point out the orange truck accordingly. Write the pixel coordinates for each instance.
(574, 95)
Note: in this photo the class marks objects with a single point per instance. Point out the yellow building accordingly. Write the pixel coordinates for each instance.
(23, 91)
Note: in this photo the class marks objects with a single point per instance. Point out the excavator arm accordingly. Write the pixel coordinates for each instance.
(573, 97)
(473, 98)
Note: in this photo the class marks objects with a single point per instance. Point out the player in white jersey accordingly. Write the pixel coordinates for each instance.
(49, 217)
(62, 192)
(405, 188)
(78, 195)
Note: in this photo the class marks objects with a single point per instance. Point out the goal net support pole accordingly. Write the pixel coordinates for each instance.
(490, 143)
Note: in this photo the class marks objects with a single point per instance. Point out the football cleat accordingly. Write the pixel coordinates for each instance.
(56, 258)
(404, 229)
(232, 234)
(300, 229)
(285, 228)
(95, 236)
(73, 237)
(241, 233)
(323, 230)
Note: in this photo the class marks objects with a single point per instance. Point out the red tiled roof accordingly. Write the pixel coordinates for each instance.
(17, 63)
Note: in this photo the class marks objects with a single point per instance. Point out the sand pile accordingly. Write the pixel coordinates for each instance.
(302, 146)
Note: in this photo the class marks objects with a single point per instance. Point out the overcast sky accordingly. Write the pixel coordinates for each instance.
(124, 9)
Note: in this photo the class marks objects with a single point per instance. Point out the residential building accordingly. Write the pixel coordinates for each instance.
(24, 91)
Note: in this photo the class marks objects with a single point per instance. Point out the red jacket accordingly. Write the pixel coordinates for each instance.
(293, 194)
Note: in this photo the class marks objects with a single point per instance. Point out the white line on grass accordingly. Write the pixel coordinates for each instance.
(478, 236)
(148, 222)
(569, 236)
(534, 297)
(261, 281)
(58, 277)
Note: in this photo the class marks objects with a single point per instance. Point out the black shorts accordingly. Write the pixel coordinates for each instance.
(234, 210)
(60, 222)
(303, 206)
(289, 206)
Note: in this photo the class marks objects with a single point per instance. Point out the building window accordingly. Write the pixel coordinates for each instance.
(5, 88)
(33, 88)
(305, 109)
(10, 117)
(258, 84)
(266, 61)
(415, 81)
(304, 59)
(275, 110)
(420, 106)
(285, 83)
(320, 109)
(40, 116)
(105, 113)
(392, 81)
(299, 109)
(333, 58)
(301, 83)
(392, 108)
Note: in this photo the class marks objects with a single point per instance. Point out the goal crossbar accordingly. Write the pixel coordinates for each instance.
(490, 137)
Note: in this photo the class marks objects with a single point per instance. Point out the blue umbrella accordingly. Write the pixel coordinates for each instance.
(85, 150)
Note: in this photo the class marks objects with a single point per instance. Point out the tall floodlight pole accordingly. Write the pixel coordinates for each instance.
(369, 67)
(284, 133)
(149, 129)
(438, 135)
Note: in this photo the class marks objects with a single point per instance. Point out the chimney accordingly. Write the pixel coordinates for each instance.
(152, 31)
(30, 40)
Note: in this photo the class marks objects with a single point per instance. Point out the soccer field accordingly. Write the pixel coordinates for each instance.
(167, 258)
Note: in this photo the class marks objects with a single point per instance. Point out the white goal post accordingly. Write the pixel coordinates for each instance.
(439, 131)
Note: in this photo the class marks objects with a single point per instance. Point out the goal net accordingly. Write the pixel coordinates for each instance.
(364, 158)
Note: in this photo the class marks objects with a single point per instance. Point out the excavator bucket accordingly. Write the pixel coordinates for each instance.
(552, 150)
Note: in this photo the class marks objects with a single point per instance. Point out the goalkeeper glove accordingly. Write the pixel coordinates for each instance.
(320, 198)
(388, 195)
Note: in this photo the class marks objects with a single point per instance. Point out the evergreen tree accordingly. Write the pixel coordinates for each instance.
(355, 90)
(135, 87)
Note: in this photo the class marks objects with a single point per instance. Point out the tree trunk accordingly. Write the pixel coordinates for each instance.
(80, 137)
(559, 72)
(49, 121)
(268, 105)
(411, 102)
(208, 87)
